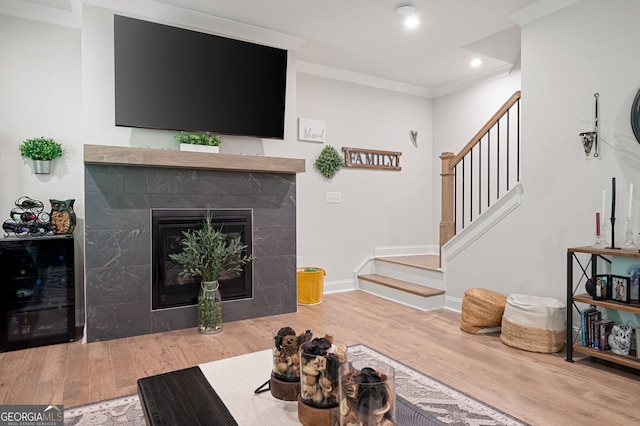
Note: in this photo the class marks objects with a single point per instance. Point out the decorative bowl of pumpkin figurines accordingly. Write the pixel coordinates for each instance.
(320, 362)
(367, 394)
(285, 374)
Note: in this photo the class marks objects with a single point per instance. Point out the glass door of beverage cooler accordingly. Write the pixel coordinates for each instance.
(37, 296)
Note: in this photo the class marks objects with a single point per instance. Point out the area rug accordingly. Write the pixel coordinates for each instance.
(442, 403)
(125, 410)
(433, 400)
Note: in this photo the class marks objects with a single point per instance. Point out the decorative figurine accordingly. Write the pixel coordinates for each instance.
(620, 339)
(62, 216)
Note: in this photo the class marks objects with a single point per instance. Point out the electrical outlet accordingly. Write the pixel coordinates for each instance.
(333, 197)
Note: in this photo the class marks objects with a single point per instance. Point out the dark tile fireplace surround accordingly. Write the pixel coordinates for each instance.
(123, 184)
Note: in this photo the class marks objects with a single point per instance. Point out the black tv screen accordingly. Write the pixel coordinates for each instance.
(177, 79)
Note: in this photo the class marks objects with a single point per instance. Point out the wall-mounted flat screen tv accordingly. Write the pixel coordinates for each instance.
(177, 79)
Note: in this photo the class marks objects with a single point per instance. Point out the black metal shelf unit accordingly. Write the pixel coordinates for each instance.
(588, 270)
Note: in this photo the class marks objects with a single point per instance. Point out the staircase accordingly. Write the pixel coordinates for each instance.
(480, 186)
(415, 281)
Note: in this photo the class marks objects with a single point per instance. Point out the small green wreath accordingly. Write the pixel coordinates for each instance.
(329, 162)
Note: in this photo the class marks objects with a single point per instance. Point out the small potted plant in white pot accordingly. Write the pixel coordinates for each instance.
(41, 150)
(199, 143)
(209, 253)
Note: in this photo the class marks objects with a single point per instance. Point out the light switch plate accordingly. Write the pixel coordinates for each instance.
(333, 197)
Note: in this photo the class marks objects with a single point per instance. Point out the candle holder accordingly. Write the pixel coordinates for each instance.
(613, 233)
(601, 237)
(587, 139)
(589, 133)
(629, 242)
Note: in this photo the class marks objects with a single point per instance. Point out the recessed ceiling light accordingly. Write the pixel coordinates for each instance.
(475, 63)
(412, 21)
(405, 10)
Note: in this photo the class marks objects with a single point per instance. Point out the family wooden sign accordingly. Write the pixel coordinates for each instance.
(371, 159)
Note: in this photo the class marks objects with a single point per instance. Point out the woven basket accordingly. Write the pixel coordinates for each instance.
(533, 323)
(482, 309)
(531, 339)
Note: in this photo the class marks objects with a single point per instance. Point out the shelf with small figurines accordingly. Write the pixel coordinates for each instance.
(630, 305)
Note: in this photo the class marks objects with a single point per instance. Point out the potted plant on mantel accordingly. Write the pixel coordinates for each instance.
(199, 143)
(209, 253)
(41, 150)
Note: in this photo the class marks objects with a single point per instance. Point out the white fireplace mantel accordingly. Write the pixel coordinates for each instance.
(145, 157)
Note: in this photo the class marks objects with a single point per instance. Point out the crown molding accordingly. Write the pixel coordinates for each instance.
(362, 79)
(475, 80)
(49, 14)
(172, 15)
(538, 10)
(395, 86)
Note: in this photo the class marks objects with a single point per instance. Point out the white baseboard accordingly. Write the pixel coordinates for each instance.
(339, 286)
(453, 303)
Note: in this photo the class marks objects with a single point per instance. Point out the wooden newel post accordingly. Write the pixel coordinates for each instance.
(447, 219)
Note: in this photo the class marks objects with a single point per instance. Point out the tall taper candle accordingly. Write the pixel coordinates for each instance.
(630, 199)
(613, 197)
(598, 223)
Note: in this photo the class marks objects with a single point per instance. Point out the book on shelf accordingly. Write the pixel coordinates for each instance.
(604, 328)
(583, 324)
(593, 337)
(588, 317)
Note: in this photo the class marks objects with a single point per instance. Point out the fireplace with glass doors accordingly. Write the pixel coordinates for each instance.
(170, 288)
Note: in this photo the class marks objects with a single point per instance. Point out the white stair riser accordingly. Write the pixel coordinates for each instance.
(403, 297)
(425, 277)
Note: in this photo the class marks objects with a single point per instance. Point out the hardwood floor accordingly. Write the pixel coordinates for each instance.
(542, 389)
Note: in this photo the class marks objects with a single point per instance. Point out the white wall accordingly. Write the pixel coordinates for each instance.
(40, 92)
(566, 57)
(335, 237)
(40, 95)
(58, 81)
(460, 115)
(379, 208)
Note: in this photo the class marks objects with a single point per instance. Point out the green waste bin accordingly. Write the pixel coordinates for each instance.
(310, 285)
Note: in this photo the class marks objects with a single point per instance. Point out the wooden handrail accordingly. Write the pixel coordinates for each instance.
(448, 174)
(492, 121)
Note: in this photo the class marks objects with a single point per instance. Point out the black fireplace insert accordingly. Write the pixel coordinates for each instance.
(169, 288)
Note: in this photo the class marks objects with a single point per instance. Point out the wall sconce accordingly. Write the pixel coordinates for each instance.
(589, 134)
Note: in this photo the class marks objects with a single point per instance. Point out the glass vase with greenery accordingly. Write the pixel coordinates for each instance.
(207, 253)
